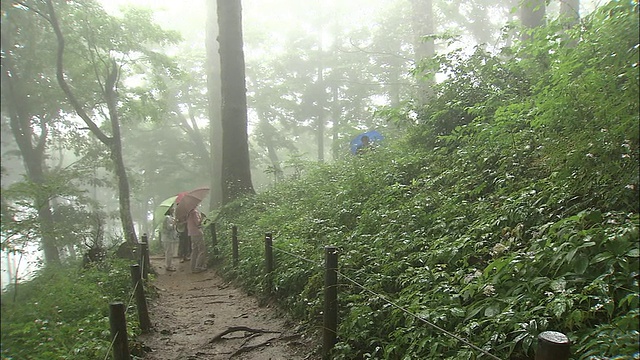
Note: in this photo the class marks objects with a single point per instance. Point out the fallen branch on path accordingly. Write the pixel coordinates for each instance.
(206, 295)
(239, 328)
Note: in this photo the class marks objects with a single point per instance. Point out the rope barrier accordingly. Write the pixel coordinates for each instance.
(111, 346)
(297, 256)
(133, 294)
(450, 334)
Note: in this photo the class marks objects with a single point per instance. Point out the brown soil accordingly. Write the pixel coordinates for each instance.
(200, 316)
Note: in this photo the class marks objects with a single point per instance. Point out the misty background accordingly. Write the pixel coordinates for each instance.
(318, 73)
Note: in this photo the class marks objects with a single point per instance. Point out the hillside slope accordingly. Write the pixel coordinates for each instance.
(509, 208)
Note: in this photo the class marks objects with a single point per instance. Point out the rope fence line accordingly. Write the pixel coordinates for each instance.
(106, 356)
(314, 263)
(438, 328)
(448, 333)
(137, 292)
(549, 342)
(133, 294)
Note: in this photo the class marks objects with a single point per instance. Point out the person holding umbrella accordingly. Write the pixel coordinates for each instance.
(198, 247)
(169, 238)
(187, 212)
(184, 244)
(365, 141)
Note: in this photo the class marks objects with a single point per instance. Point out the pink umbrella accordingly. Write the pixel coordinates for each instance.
(188, 201)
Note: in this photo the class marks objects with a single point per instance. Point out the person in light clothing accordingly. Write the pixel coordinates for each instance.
(198, 248)
(169, 237)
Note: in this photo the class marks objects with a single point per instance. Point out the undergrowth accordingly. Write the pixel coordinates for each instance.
(511, 213)
(63, 313)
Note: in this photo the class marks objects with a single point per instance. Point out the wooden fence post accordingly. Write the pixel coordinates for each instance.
(553, 345)
(330, 328)
(118, 323)
(141, 300)
(268, 258)
(234, 240)
(214, 238)
(145, 263)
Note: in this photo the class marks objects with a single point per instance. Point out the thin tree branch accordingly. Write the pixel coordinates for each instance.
(63, 83)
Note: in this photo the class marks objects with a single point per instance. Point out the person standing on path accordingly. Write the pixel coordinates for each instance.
(184, 243)
(169, 238)
(198, 247)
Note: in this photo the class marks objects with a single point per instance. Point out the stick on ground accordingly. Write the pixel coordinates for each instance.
(239, 328)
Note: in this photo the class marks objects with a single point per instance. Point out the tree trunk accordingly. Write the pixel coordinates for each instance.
(336, 124)
(114, 143)
(236, 172)
(32, 154)
(424, 49)
(570, 17)
(570, 11)
(116, 155)
(320, 120)
(532, 13)
(213, 93)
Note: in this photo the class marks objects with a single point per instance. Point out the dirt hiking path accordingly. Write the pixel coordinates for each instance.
(199, 316)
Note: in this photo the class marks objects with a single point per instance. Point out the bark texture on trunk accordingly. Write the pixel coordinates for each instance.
(424, 48)
(532, 13)
(32, 153)
(213, 93)
(236, 172)
(124, 195)
(114, 143)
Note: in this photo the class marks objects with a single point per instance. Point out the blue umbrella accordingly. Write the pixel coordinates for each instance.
(373, 136)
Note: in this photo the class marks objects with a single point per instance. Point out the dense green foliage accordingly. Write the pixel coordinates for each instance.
(63, 313)
(510, 208)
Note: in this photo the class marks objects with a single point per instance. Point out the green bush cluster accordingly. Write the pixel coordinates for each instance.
(63, 313)
(511, 208)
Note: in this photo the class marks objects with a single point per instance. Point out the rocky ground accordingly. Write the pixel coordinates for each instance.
(200, 316)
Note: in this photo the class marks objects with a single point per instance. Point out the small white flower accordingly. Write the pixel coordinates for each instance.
(488, 290)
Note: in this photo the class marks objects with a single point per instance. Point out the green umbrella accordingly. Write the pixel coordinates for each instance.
(158, 213)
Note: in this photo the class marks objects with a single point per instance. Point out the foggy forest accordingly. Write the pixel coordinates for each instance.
(473, 164)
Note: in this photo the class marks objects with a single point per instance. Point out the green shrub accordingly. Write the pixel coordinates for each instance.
(63, 313)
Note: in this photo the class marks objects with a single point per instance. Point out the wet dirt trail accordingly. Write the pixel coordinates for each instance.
(200, 316)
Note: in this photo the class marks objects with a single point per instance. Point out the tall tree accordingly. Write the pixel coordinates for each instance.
(214, 104)
(570, 11)
(569, 17)
(108, 48)
(31, 108)
(532, 13)
(236, 170)
(424, 47)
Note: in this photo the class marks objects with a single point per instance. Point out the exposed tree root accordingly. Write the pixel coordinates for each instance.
(239, 328)
(244, 349)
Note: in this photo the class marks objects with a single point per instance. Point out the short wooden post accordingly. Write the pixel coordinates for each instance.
(214, 238)
(268, 260)
(553, 345)
(330, 326)
(141, 300)
(147, 257)
(144, 262)
(234, 244)
(118, 323)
